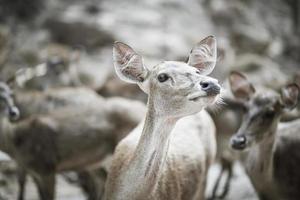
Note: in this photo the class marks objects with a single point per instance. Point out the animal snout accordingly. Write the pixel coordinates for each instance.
(211, 88)
(14, 113)
(238, 142)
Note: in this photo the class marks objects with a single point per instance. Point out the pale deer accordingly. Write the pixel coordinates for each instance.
(168, 155)
(273, 159)
(71, 138)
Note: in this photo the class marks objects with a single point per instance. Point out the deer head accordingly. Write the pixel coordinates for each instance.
(174, 88)
(262, 110)
(7, 105)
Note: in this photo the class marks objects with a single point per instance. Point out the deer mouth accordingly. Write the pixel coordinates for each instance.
(214, 91)
(198, 96)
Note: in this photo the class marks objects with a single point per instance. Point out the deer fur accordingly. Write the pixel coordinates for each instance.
(32, 103)
(37, 102)
(71, 138)
(273, 157)
(167, 156)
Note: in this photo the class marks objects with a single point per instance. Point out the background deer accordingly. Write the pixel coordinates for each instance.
(66, 139)
(167, 157)
(33, 102)
(37, 102)
(273, 157)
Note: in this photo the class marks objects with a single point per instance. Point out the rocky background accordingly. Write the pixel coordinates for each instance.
(259, 37)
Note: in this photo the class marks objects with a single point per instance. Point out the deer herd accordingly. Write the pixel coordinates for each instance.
(160, 151)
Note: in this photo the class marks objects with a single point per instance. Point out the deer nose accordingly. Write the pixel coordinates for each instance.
(210, 88)
(14, 113)
(238, 142)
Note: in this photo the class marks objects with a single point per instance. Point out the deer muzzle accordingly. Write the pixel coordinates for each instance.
(13, 111)
(211, 88)
(238, 142)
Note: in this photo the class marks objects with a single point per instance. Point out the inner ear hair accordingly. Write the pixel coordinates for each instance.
(290, 95)
(128, 64)
(204, 55)
(240, 86)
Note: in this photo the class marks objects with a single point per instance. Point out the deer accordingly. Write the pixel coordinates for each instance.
(168, 154)
(71, 138)
(31, 102)
(35, 102)
(271, 156)
(227, 120)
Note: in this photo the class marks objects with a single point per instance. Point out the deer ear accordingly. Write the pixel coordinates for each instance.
(128, 64)
(290, 95)
(297, 78)
(204, 55)
(240, 86)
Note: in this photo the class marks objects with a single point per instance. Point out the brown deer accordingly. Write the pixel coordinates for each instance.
(168, 155)
(71, 138)
(38, 102)
(273, 159)
(33, 102)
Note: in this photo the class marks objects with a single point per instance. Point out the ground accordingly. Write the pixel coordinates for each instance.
(69, 190)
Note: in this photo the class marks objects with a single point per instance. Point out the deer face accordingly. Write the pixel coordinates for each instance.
(174, 88)
(262, 110)
(7, 105)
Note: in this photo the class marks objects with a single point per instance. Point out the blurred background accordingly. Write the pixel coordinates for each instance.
(73, 40)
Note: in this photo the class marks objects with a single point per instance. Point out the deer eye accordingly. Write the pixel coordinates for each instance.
(162, 77)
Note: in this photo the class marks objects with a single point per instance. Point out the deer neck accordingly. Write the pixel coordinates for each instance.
(260, 159)
(5, 134)
(149, 156)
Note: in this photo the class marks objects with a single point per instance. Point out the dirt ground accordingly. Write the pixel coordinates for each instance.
(69, 190)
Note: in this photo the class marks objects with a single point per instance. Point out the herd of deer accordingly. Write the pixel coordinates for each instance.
(168, 154)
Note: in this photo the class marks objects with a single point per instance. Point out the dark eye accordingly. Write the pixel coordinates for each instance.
(198, 72)
(162, 77)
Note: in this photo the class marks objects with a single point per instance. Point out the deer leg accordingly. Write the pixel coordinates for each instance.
(45, 185)
(227, 183)
(87, 184)
(93, 182)
(226, 164)
(216, 186)
(21, 182)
